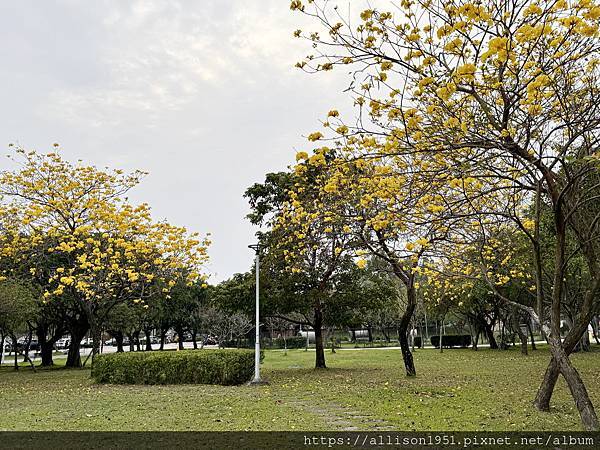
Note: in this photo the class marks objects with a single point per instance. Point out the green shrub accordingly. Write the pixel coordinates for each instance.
(419, 341)
(226, 367)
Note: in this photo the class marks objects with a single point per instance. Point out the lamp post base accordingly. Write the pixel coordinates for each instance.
(258, 382)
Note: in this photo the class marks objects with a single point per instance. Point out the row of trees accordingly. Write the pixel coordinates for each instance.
(472, 163)
(70, 238)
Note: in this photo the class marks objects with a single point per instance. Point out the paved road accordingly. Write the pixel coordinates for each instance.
(427, 346)
(106, 349)
(188, 345)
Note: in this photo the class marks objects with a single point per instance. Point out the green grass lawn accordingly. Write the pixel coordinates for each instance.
(362, 389)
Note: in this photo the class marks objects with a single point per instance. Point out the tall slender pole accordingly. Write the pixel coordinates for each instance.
(257, 343)
(426, 327)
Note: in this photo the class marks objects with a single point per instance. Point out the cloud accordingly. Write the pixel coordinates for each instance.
(160, 56)
(202, 94)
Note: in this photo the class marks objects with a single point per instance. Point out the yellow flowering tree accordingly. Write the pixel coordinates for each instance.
(385, 212)
(109, 250)
(314, 249)
(501, 93)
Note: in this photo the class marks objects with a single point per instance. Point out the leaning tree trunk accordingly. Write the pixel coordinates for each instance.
(409, 363)
(561, 350)
(546, 389)
(544, 394)
(576, 386)
(319, 348)
(585, 342)
(530, 331)
(520, 332)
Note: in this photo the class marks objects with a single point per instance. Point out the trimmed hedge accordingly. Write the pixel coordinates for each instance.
(226, 367)
(291, 342)
(418, 341)
(459, 340)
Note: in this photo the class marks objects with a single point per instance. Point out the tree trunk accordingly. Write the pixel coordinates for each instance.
(544, 394)
(520, 332)
(195, 340)
(73, 356)
(13, 338)
(370, 333)
(530, 331)
(163, 336)
(319, 348)
(561, 350)
(131, 342)
(585, 342)
(137, 341)
(96, 333)
(332, 337)
(26, 358)
(78, 328)
(119, 340)
(47, 344)
(442, 329)
(95, 329)
(594, 323)
(148, 332)
(180, 338)
(46, 353)
(27, 346)
(386, 335)
(576, 386)
(489, 333)
(409, 363)
(476, 340)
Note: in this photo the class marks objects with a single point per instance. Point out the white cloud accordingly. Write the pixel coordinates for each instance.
(203, 94)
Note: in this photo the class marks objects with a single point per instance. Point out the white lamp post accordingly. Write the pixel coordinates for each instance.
(257, 380)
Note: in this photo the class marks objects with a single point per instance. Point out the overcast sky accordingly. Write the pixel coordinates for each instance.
(201, 93)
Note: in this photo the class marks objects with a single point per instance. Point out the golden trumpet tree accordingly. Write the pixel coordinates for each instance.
(373, 204)
(501, 93)
(110, 251)
(308, 236)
